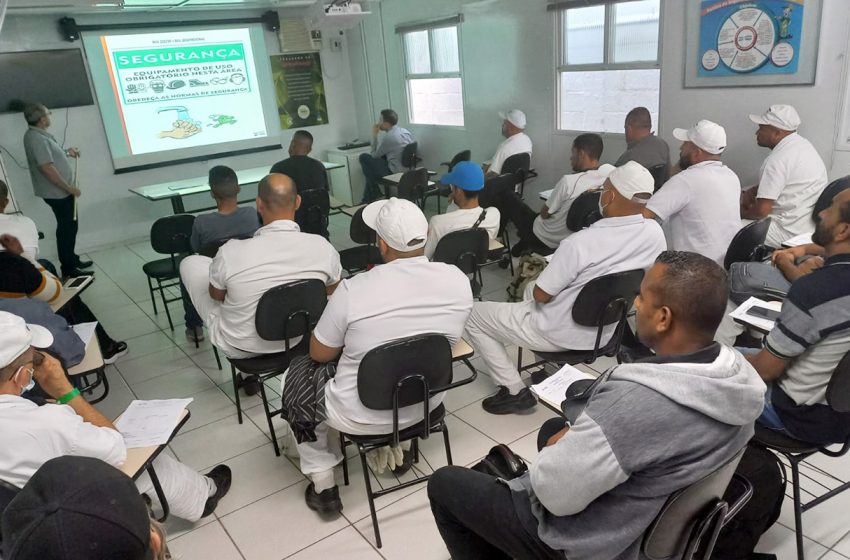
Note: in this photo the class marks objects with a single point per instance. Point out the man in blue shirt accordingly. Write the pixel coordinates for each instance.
(385, 158)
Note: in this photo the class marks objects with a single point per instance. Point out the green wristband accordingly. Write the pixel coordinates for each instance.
(69, 396)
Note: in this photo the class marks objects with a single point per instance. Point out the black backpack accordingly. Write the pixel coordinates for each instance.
(766, 473)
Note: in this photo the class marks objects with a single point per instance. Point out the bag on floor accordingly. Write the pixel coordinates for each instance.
(527, 271)
(739, 537)
(502, 462)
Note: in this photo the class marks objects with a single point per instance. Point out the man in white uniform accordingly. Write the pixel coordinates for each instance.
(32, 434)
(700, 206)
(622, 240)
(791, 179)
(466, 181)
(516, 141)
(18, 226)
(369, 310)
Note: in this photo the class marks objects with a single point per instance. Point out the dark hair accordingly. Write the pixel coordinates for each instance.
(389, 116)
(471, 195)
(303, 136)
(277, 191)
(4, 189)
(639, 117)
(843, 211)
(695, 288)
(589, 143)
(223, 182)
(33, 112)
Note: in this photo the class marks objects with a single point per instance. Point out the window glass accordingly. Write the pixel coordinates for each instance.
(584, 35)
(445, 50)
(635, 31)
(416, 52)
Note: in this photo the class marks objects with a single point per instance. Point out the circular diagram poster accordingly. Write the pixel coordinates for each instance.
(739, 37)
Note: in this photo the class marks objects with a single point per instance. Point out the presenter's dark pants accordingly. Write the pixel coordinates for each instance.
(477, 516)
(373, 169)
(66, 232)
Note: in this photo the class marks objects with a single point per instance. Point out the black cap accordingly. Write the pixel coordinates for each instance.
(77, 508)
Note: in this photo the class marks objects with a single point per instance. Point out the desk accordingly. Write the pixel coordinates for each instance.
(394, 179)
(92, 364)
(70, 293)
(495, 245)
(544, 195)
(176, 190)
(798, 240)
(760, 324)
(462, 350)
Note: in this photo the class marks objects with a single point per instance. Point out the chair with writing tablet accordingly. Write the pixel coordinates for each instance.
(442, 191)
(365, 254)
(169, 236)
(825, 199)
(466, 249)
(518, 165)
(748, 243)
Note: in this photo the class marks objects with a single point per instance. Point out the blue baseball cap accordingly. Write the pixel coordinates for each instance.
(466, 175)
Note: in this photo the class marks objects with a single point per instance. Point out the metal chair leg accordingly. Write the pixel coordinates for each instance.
(236, 392)
(217, 357)
(370, 496)
(344, 459)
(519, 358)
(165, 304)
(798, 512)
(160, 495)
(447, 443)
(153, 298)
(268, 416)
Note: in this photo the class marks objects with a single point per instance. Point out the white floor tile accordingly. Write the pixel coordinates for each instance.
(217, 442)
(468, 445)
(174, 385)
(348, 543)
(209, 541)
(137, 370)
(842, 546)
(780, 540)
(833, 555)
(147, 344)
(504, 428)
(207, 407)
(826, 523)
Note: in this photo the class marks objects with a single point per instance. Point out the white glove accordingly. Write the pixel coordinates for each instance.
(384, 458)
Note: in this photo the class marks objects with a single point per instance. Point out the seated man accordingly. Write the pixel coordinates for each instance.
(21, 278)
(73, 427)
(700, 205)
(385, 158)
(308, 174)
(543, 232)
(466, 180)
(791, 179)
(809, 338)
(225, 290)
(516, 141)
(67, 345)
(18, 225)
(622, 240)
(644, 147)
(647, 430)
(366, 311)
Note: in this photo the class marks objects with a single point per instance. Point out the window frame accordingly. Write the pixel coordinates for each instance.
(408, 76)
(562, 67)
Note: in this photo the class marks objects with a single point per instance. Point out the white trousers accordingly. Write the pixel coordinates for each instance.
(728, 330)
(493, 325)
(185, 489)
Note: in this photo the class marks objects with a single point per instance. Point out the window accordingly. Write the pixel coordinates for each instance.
(608, 64)
(432, 74)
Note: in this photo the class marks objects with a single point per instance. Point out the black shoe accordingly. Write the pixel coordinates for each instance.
(505, 403)
(74, 274)
(406, 464)
(250, 384)
(221, 476)
(113, 352)
(325, 502)
(84, 264)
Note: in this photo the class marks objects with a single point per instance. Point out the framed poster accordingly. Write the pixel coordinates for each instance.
(751, 42)
(299, 89)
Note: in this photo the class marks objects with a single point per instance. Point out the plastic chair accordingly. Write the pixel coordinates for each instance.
(440, 190)
(405, 372)
(412, 186)
(825, 199)
(520, 166)
(8, 492)
(366, 254)
(748, 243)
(410, 155)
(584, 211)
(466, 249)
(659, 175)
(796, 451)
(313, 216)
(169, 236)
(283, 313)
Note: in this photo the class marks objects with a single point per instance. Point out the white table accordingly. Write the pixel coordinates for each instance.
(69, 293)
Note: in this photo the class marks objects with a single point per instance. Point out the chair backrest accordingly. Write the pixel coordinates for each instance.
(584, 211)
(465, 248)
(838, 389)
(404, 372)
(313, 214)
(516, 163)
(595, 303)
(359, 231)
(825, 199)
(412, 184)
(408, 155)
(688, 514)
(8, 492)
(659, 174)
(290, 310)
(748, 243)
(210, 249)
(488, 196)
(465, 155)
(170, 235)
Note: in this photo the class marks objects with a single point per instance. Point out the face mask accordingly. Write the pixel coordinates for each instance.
(601, 206)
(29, 385)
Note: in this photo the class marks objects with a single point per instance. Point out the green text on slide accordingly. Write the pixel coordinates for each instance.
(145, 58)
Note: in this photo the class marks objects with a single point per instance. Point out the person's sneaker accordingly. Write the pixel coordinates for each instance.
(325, 502)
(406, 464)
(113, 352)
(221, 476)
(84, 264)
(250, 384)
(505, 403)
(194, 334)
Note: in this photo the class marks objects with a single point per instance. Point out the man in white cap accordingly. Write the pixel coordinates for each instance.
(791, 177)
(700, 205)
(406, 296)
(622, 240)
(32, 434)
(516, 141)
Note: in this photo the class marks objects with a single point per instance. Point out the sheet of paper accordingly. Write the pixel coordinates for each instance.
(761, 323)
(544, 195)
(796, 241)
(85, 331)
(147, 423)
(554, 388)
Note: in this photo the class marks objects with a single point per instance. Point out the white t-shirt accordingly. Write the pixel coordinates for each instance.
(441, 224)
(32, 435)
(700, 208)
(609, 245)
(793, 176)
(247, 268)
(519, 143)
(404, 297)
(553, 229)
(24, 229)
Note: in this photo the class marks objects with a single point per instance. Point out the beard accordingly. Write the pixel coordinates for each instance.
(684, 162)
(822, 235)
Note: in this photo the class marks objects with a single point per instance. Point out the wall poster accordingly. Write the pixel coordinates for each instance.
(299, 89)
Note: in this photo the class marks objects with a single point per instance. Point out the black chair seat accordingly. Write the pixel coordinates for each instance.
(781, 442)
(267, 363)
(436, 416)
(161, 268)
(575, 356)
(359, 258)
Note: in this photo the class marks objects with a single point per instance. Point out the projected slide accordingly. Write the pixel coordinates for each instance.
(184, 89)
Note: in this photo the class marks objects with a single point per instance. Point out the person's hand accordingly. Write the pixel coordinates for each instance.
(182, 129)
(77, 193)
(811, 264)
(73, 152)
(11, 244)
(554, 439)
(50, 377)
(782, 255)
(376, 128)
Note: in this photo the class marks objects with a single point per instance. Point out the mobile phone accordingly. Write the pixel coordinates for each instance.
(77, 282)
(769, 314)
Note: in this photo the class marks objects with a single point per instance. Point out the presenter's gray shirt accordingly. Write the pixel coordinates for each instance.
(391, 146)
(41, 147)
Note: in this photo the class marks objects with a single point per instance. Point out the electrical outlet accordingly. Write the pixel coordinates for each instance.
(336, 45)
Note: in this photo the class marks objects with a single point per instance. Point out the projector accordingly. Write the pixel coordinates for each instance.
(345, 9)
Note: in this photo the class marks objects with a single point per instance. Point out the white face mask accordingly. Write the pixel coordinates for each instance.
(29, 385)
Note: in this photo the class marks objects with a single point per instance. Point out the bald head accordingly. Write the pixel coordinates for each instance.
(277, 198)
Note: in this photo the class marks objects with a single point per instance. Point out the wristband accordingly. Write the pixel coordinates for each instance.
(69, 396)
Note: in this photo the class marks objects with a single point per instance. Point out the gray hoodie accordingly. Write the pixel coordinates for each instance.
(648, 430)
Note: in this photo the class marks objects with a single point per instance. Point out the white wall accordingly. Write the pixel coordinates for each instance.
(110, 214)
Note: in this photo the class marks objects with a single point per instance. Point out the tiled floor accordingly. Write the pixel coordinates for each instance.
(264, 516)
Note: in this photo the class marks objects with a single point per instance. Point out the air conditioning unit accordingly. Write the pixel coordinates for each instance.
(338, 15)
